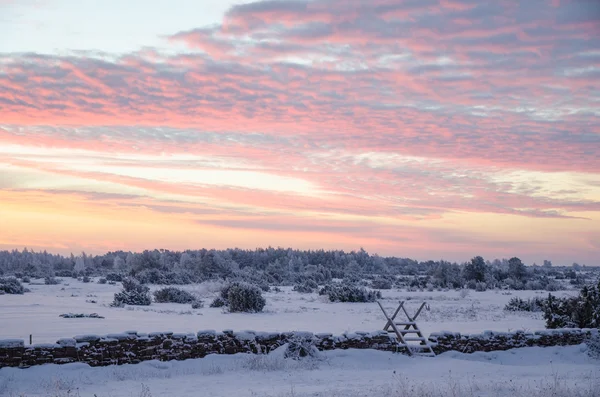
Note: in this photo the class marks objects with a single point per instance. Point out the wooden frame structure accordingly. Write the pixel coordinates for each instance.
(410, 332)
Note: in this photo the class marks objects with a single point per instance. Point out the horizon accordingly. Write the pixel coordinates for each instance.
(416, 129)
(419, 260)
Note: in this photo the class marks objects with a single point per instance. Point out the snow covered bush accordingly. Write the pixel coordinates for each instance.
(307, 287)
(11, 286)
(51, 280)
(381, 283)
(63, 273)
(582, 311)
(80, 315)
(300, 346)
(197, 304)
(553, 286)
(218, 302)
(156, 276)
(114, 277)
(349, 293)
(243, 297)
(101, 280)
(86, 279)
(173, 295)
(593, 344)
(133, 293)
(517, 304)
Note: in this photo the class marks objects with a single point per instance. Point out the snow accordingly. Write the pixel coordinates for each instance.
(8, 343)
(67, 342)
(37, 313)
(122, 336)
(45, 345)
(87, 338)
(245, 335)
(518, 372)
(529, 371)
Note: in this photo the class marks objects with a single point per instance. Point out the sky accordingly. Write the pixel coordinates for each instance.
(416, 128)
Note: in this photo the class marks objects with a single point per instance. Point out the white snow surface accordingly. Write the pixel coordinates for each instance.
(37, 313)
(556, 371)
(534, 371)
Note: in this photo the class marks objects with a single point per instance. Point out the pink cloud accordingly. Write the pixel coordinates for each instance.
(293, 87)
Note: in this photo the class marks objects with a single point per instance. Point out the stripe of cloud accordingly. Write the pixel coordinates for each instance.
(349, 190)
(358, 115)
(570, 141)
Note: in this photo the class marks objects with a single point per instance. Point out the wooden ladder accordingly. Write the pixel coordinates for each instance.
(422, 348)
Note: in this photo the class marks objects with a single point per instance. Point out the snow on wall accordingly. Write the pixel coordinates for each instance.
(491, 341)
(133, 347)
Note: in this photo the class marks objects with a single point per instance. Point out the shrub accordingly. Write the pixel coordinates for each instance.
(218, 302)
(582, 311)
(593, 344)
(173, 295)
(307, 287)
(25, 279)
(133, 293)
(243, 297)
(155, 276)
(197, 304)
(114, 277)
(553, 286)
(300, 346)
(63, 273)
(150, 276)
(80, 315)
(381, 283)
(51, 281)
(349, 293)
(101, 280)
(11, 286)
(517, 304)
(86, 279)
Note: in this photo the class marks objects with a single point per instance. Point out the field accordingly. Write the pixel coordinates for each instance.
(556, 371)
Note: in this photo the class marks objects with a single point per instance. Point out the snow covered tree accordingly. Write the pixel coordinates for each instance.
(475, 270)
(79, 265)
(516, 269)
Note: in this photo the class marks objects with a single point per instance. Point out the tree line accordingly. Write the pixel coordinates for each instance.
(286, 266)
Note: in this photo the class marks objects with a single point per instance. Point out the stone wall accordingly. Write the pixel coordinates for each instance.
(133, 347)
(491, 341)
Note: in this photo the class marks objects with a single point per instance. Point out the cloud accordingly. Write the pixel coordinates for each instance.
(380, 110)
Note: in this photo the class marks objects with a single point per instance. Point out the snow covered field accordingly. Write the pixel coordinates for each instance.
(558, 371)
(37, 312)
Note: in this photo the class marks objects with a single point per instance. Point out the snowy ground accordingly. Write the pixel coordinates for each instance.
(37, 312)
(559, 371)
(535, 372)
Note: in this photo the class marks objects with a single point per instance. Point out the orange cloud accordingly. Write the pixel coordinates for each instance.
(354, 123)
